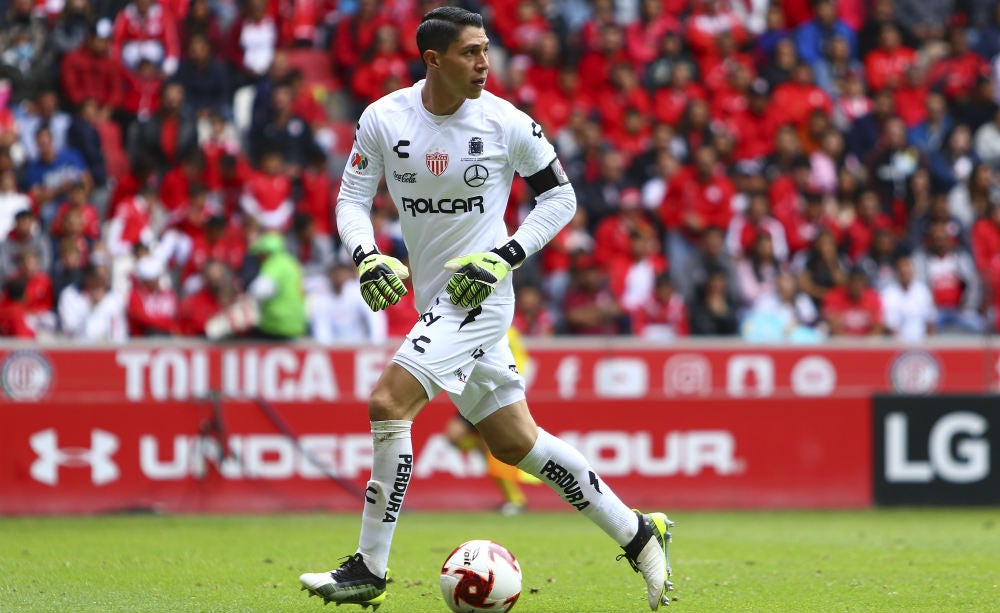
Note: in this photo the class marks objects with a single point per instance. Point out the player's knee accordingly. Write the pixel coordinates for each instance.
(510, 451)
(382, 406)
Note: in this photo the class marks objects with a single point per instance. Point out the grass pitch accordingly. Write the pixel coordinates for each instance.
(803, 562)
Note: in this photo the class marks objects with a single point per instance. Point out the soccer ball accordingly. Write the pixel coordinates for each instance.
(480, 576)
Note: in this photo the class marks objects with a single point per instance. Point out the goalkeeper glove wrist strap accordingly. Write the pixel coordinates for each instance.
(510, 252)
(360, 254)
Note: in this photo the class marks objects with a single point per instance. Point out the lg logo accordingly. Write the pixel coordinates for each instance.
(957, 451)
(51, 457)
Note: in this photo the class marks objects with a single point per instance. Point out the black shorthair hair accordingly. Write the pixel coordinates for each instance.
(441, 26)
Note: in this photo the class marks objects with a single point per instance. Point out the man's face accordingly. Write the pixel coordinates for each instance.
(856, 286)
(44, 142)
(904, 270)
(463, 67)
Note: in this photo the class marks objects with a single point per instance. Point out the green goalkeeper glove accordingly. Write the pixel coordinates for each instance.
(477, 275)
(380, 280)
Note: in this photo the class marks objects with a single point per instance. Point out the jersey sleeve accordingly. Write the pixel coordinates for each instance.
(530, 150)
(359, 183)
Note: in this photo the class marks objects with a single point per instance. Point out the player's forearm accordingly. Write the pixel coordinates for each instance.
(355, 226)
(553, 210)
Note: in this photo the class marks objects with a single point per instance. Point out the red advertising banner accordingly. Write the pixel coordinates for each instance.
(191, 457)
(179, 427)
(560, 372)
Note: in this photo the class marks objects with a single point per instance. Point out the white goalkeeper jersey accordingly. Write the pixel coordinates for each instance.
(449, 177)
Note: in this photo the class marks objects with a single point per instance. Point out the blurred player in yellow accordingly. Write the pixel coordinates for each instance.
(463, 434)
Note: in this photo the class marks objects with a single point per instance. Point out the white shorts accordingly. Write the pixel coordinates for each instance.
(466, 354)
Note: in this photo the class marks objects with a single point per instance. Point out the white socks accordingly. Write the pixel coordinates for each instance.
(392, 467)
(565, 470)
(559, 465)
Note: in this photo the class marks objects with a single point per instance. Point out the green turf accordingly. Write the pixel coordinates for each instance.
(878, 561)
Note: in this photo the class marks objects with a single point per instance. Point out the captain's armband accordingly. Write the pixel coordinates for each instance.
(545, 179)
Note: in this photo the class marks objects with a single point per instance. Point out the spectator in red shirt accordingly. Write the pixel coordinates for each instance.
(589, 306)
(911, 97)
(704, 26)
(716, 68)
(731, 96)
(745, 228)
(130, 225)
(531, 316)
(868, 219)
(951, 274)
(267, 193)
(956, 73)
(140, 97)
(145, 30)
(624, 92)
(595, 66)
(177, 182)
(558, 254)
(152, 308)
(700, 196)
(853, 309)
(217, 293)
(670, 102)
(305, 100)
(664, 316)
(14, 318)
(217, 241)
(77, 203)
(887, 65)
(91, 72)
(38, 299)
(643, 36)
(253, 40)
(317, 195)
(986, 239)
(382, 60)
(800, 96)
(353, 35)
(612, 238)
(521, 27)
(755, 126)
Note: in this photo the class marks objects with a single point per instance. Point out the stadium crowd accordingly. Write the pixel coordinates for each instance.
(781, 171)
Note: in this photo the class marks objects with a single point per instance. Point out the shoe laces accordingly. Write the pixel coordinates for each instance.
(627, 557)
(350, 565)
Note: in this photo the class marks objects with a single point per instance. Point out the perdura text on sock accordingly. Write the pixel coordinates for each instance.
(403, 471)
(562, 478)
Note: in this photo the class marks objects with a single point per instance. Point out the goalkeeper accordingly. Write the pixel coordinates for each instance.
(448, 151)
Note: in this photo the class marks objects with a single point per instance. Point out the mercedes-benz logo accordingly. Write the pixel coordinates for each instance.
(476, 175)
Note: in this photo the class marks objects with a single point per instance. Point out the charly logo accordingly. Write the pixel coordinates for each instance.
(476, 175)
(25, 376)
(437, 162)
